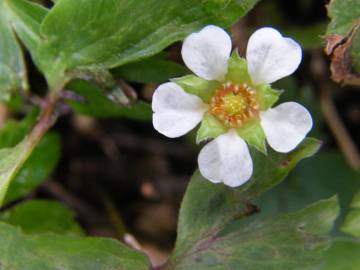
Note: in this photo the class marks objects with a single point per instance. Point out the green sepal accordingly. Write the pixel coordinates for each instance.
(210, 128)
(266, 96)
(253, 134)
(237, 70)
(197, 86)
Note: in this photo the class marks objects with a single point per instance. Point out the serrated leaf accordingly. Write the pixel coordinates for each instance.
(50, 251)
(294, 241)
(42, 216)
(208, 208)
(97, 105)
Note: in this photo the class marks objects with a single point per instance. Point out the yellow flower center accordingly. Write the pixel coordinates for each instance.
(234, 104)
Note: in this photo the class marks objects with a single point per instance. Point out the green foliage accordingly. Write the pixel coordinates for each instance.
(11, 160)
(313, 180)
(81, 46)
(351, 224)
(40, 163)
(12, 67)
(51, 251)
(36, 169)
(26, 18)
(285, 241)
(109, 33)
(97, 104)
(209, 236)
(42, 216)
(343, 40)
(154, 69)
(343, 254)
(344, 16)
(209, 209)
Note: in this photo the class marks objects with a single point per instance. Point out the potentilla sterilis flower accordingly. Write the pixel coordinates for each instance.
(232, 99)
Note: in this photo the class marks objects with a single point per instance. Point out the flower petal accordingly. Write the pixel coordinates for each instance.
(207, 52)
(286, 125)
(175, 111)
(226, 159)
(270, 56)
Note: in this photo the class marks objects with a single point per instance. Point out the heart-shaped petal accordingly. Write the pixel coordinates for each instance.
(271, 56)
(286, 125)
(207, 52)
(226, 159)
(175, 111)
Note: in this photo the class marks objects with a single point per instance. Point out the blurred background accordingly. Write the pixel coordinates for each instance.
(122, 178)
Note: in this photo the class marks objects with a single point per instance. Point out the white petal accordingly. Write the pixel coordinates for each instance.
(175, 111)
(286, 125)
(270, 56)
(226, 159)
(207, 52)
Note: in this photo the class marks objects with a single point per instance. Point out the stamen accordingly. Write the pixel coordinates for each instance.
(234, 104)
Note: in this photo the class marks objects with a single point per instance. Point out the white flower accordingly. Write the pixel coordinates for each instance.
(270, 56)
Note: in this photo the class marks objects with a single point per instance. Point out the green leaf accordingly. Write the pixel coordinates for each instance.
(197, 86)
(343, 40)
(11, 160)
(17, 172)
(322, 176)
(343, 254)
(110, 33)
(42, 216)
(356, 201)
(253, 134)
(294, 241)
(98, 105)
(209, 128)
(12, 67)
(344, 14)
(14, 131)
(351, 224)
(41, 162)
(51, 251)
(36, 169)
(151, 70)
(207, 208)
